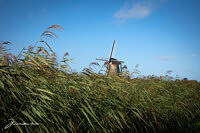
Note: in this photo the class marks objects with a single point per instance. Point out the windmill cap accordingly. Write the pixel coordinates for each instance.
(113, 60)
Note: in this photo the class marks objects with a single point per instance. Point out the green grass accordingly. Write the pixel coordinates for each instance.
(37, 88)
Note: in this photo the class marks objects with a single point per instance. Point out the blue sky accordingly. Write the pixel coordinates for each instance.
(159, 35)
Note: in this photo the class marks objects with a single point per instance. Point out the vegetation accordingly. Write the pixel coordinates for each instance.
(36, 88)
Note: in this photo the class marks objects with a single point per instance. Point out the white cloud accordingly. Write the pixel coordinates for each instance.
(137, 10)
(167, 57)
(193, 55)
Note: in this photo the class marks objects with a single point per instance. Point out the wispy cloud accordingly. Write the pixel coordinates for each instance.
(167, 57)
(137, 10)
(193, 55)
(35, 15)
(44, 11)
(162, 1)
(31, 15)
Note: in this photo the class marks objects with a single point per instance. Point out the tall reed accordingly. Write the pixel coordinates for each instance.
(36, 88)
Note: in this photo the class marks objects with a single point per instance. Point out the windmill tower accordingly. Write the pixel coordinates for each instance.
(113, 65)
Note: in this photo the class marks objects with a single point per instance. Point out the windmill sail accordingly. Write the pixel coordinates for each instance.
(112, 51)
(102, 59)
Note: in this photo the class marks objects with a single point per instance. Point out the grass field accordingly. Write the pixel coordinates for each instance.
(36, 88)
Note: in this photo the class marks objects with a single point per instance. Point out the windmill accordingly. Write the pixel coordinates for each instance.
(114, 66)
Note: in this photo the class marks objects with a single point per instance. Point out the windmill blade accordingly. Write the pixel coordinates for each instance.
(101, 59)
(112, 50)
(113, 53)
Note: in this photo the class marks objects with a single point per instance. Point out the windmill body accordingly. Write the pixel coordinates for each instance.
(114, 69)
